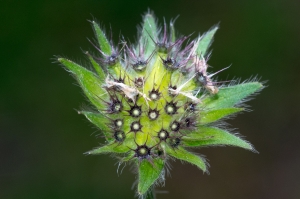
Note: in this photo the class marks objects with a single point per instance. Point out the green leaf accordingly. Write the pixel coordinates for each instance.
(100, 121)
(90, 84)
(184, 155)
(149, 31)
(173, 33)
(229, 96)
(209, 136)
(102, 40)
(97, 67)
(149, 173)
(106, 48)
(110, 148)
(205, 41)
(214, 115)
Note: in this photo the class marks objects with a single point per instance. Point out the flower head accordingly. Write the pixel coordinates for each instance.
(156, 100)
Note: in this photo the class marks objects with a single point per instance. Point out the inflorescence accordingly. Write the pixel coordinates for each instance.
(156, 98)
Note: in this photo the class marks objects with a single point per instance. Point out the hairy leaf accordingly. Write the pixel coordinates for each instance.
(184, 155)
(209, 136)
(102, 40)
(97, 67)
(100, 121)
(149, 173)
(111, 148)
(229, 96)
(215, 115)
(205, 41)
(90, 84)
(149, 33)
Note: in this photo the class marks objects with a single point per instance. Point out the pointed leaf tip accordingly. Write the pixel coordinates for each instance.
(102, 39)
(149, 33)
(206, 40)
(88, 81)
(211, 136)
(101, 122)
(149, 173)
(110, 148)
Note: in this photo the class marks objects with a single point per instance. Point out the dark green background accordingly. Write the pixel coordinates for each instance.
(43, 138)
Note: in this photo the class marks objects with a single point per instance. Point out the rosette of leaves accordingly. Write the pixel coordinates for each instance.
(155, 101)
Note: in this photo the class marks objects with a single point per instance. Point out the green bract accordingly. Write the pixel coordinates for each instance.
(155, 100)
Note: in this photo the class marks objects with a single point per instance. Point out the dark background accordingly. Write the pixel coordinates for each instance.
(42, 138)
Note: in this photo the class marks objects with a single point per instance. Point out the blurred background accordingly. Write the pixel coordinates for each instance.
(42, 138)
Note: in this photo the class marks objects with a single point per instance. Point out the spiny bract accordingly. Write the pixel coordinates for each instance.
(155, 99)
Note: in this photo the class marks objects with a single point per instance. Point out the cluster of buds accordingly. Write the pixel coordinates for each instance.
(156, 99)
